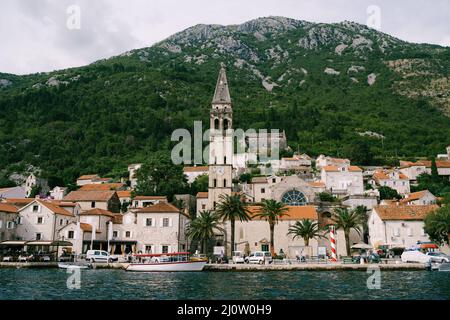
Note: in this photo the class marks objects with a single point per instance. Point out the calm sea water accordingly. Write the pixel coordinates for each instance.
(118, 284)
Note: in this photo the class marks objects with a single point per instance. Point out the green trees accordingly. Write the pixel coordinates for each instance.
(437, 225)
(204, 227)
(271, 211)
(159, 176)
(232, 208)
(306, 229)
(348, 220)
(387, 193)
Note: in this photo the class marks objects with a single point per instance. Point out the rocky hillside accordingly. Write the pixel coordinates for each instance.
(341, 89)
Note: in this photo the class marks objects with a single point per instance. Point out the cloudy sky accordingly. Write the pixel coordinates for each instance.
(45, 35)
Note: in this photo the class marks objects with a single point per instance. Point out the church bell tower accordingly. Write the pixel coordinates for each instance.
(221, 142)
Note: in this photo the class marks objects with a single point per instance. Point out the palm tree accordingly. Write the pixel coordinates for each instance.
(306, 229)
(437, 225)
(272, 210)
(232, 208)
(347, 221)
(203, 227)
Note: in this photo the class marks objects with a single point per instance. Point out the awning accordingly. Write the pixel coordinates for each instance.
(59, 243)
(12, 243)
(428, 246)
(39, 243)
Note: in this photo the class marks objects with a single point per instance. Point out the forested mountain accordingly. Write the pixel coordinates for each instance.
(342, 89)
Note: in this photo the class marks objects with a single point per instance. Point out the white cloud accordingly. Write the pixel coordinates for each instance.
(35, 38)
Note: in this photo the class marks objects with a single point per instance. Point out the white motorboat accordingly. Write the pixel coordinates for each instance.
(178, 261)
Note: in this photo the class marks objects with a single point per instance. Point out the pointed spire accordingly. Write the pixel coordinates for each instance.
(222, 94)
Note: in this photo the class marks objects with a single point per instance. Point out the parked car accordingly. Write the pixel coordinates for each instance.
(99, 256)
(238, 257)
(438, 257)
(259, 257)
(415, 256)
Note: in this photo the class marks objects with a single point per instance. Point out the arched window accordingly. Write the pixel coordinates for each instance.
(226, 124)
(294, 198)
(216, 124)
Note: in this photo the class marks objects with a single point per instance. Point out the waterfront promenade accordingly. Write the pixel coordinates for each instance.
(245, 267)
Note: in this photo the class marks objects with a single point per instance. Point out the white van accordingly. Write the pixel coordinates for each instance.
(259, 257)
(415, 256)
(99, 256)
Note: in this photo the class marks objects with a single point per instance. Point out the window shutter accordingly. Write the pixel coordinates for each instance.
(169, 249)
(170, 222)
(161, 222)
(1, 222)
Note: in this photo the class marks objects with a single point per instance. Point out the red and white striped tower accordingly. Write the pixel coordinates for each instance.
(333, 243)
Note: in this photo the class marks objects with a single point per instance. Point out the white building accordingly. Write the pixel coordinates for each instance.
(33, 181)
(398, 225)
(132, 169)
(393, 179)
(42, 220)
(87, 179)
(344, 180)
(323, 161)
(414, 169)
(58, 193)
(193, 172)
(8, 219)
(146, 201)
(423, 197)
(160, 228)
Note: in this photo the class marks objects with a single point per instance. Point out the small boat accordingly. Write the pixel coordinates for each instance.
(65, 265)
(178, 261)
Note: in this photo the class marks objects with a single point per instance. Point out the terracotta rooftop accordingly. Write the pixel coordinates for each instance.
(124, 194)
(160, 207)
(97, 212)
(202, 195)
(102, 186)
(384, 175)
(317, 184)
(5, 207)
(404, 212)
(294, 212)
(259, 180)
(415, 196)
(89, 196)
(426, 163)
(55, 208)
(161, 198)
(339, 169)
(195, 169)
(19, 200)
(86, 227)
(88, 177)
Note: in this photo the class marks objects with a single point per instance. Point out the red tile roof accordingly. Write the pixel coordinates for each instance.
(202, 195)
(5, 207)
(161, 198)
(404, 212)
(160, 207)
(88, 177)
(89, 196)
(102, 186)
(195, 169)
(55, 208)
(294, 212)
(98, 212)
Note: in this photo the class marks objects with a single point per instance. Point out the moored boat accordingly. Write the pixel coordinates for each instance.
(178, 261)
